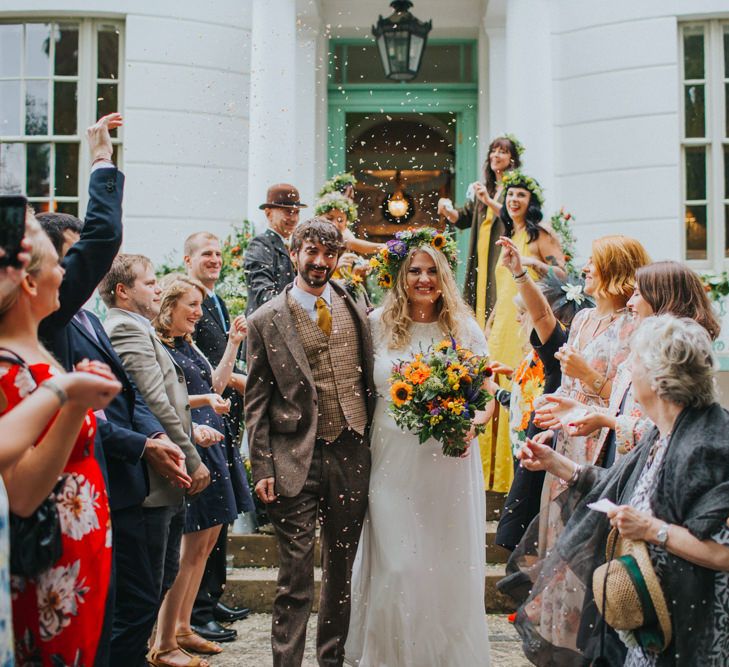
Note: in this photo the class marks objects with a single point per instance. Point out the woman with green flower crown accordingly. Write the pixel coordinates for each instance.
(521, 216)
(418, 579)
(480, 214)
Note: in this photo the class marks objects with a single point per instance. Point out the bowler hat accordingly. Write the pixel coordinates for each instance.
(282, 195)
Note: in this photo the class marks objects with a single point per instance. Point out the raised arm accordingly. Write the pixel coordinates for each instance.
(536, 303)
(89, 259)
(223, 373)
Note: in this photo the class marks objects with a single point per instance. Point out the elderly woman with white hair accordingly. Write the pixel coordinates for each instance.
(670, 497)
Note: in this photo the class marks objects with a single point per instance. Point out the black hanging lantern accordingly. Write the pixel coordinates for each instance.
(401, 40)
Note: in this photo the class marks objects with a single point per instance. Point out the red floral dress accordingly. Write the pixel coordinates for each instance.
(57, 618)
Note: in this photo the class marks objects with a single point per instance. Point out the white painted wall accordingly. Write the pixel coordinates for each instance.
(186, 85)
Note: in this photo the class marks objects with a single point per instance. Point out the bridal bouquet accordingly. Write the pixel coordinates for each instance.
(436, 394)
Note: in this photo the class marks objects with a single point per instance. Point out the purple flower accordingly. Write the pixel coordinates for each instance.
(435, 412)
(397, 248)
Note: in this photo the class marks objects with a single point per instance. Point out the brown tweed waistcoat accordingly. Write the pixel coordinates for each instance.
(340, 392)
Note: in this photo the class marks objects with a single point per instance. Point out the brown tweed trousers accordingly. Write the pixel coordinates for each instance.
(309, 403)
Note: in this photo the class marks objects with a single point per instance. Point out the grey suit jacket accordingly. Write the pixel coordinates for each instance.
(162, 384)
(280, 399)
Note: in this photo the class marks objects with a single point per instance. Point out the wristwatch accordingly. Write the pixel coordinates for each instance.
(662, 535)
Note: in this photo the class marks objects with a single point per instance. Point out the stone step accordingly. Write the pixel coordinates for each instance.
(494, 505)
(255, 588)
(259, 550)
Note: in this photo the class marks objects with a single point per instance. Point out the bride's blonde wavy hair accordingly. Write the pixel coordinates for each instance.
(453, 312)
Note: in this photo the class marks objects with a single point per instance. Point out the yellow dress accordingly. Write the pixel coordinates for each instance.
(506, 344)
(482, 264)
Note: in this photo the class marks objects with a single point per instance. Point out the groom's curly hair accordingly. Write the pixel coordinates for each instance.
(317, 230)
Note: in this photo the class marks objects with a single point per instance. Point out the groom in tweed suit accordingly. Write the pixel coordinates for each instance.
(309, 403)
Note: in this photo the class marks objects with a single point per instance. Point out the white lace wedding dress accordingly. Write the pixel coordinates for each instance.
(418, 581)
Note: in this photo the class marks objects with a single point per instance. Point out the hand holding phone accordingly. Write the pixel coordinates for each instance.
(12, 229)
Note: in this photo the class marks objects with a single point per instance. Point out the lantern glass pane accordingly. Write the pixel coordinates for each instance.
(398, 43)
(416, 52)
(382, 48)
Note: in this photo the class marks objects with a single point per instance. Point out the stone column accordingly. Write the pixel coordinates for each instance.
(529, 89)
(272, 124)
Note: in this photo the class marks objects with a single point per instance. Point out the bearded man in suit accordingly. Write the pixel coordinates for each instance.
(267, 264)
(309, 405)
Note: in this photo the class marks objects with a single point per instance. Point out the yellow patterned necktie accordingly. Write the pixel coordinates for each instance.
(323, 316)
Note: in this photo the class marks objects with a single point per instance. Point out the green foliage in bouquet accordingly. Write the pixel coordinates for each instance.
(231, 285)
(716, 286)
(562, 227)
(437, 393)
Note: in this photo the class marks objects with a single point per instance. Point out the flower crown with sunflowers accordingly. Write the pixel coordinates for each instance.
(332, 201)
(518, 179)
(517, 144)
(389, 260)
(337, 183)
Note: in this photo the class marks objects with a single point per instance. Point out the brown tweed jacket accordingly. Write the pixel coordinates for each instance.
(281, 399)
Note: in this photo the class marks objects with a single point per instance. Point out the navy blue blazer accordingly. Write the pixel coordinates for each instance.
(129, 422)
(88, 260)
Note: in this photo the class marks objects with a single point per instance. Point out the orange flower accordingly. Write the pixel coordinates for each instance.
(417, 372)
(401, 393)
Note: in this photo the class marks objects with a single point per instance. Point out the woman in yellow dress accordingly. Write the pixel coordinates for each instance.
(480, 213)
(521, 216)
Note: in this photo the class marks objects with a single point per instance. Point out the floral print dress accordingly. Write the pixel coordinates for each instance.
(556, 611)
(58, 617)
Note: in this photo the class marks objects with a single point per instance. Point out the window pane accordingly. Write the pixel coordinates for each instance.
(10, 50)
(66, 50)
(67, 207)
(108, 53)
(11, 168)
(726, 172)
(694, 110)
(693, 53)
(106, 101)
(38, 170)
(695, 232)
(695, 172)
(66, 181)
(37, 46)
(726, 109)
(36, 107)
(10, 108)
(64, 107)
(726, 230)
(726, 51)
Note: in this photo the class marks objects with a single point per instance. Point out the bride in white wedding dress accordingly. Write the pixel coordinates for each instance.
(418, 580)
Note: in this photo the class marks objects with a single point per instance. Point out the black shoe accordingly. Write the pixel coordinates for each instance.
(215, 632)
(225, 614)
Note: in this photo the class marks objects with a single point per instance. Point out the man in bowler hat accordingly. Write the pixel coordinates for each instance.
(267, 265)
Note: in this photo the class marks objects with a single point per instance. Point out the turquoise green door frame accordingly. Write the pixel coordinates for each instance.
(461, 99)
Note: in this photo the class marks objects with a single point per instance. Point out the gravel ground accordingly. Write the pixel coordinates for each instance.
(253, 646)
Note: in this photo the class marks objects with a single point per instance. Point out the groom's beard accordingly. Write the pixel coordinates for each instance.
(316, 280)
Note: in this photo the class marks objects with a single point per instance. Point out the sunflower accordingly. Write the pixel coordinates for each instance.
(401, 393)
(438, 241)
(385, 281)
